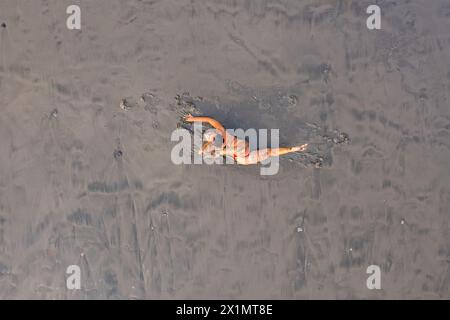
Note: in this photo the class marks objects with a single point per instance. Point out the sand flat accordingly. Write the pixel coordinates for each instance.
(141, 227)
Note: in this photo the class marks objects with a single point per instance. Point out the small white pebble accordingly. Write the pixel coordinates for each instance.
(299, 229)
(351, 249)
(402, 221)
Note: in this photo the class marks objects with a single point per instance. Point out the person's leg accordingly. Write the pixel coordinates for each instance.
(263, 154)
(280, 151)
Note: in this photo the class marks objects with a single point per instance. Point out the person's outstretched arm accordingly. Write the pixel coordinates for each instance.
(214, 123)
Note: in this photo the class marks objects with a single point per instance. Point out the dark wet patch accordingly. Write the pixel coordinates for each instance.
(356, 167)
(356, 213)
(4, 269)
(80, 217)
(390, 215)
(387, 264)
(166, 197)
(444, 10)
(316, 216)
(112, 211)
(315, 72)
(317, 189)
(300, 274)
(108, 188)
(138, 185)
(111, 282)
(96, 99)
(386, 183)
(21, 70)
(62, 89)
(104, 187)
(77, 165)
(357, 249)
(34, 232)
(372, 115)
(358, 115)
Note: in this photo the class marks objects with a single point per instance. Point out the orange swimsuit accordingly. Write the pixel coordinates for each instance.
(235, 154)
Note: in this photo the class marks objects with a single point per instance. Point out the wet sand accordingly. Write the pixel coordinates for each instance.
(85, 182)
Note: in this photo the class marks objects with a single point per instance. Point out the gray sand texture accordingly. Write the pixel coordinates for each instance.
(84, 182)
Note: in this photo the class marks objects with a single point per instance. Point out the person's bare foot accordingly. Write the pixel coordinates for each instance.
(300, 148)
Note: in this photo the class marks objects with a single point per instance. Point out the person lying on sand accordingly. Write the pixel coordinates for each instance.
(234, 147)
